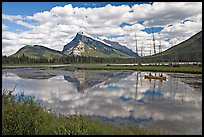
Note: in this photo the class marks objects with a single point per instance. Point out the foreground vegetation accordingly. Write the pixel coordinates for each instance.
(22, 116)
(194, 69)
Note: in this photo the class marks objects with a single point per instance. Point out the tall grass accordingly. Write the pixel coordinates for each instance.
(177, 69)
(25, 117)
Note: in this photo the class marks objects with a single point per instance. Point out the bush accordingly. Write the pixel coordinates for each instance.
(21, 118)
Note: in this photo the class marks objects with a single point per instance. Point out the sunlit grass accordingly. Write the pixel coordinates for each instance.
(180, 69)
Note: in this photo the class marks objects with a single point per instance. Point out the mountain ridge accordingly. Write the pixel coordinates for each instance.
(97, 44)
(38, 51)
(188, 50)
(86, 45)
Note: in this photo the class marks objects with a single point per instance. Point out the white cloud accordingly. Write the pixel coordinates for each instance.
(9, 49)
(9, 35)
(136, 27)
(144, 41)
(106, 31)
(110, 12)
(11, 17)
(42, 17)
(65, 11)
(4, 27)
(24, 24)
(57, 27)
(181, 31)
(162, 13)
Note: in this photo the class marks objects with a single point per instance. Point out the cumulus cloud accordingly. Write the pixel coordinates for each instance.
(9, 35)
(162, 13)
(11, 17)
(4, 27)
(57, 27)
(65, 11)
(24, 24)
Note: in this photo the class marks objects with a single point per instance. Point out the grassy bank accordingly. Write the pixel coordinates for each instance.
(25, 117)
(179, 69)
(30, 64)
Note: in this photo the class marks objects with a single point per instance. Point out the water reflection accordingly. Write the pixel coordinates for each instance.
(85, 80)
(122, 96)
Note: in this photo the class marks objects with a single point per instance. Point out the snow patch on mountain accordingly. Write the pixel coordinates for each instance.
(97, 39)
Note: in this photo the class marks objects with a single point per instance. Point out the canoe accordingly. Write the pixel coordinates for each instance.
(155, 77)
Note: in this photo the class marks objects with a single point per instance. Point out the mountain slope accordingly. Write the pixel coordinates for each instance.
(188, 50)
(85, 45)
(37, 51)
(121, 48)
(82, 49)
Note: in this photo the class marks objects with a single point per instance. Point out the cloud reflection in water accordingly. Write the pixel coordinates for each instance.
(123, 96)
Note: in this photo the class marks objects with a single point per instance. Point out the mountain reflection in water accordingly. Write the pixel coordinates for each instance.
(83, 82)
(122, 96)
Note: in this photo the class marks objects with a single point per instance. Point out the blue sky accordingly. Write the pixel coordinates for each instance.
(54, 24)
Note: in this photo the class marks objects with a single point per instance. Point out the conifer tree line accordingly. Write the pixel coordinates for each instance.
(84, 59)
(64, 60)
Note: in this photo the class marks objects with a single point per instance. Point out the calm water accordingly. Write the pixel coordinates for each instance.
(174, 105)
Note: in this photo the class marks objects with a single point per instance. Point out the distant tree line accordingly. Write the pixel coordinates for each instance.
(64, 60)
(82, 59)
(177, 57)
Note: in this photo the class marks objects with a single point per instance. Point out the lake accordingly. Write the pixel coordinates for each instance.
(174, 105)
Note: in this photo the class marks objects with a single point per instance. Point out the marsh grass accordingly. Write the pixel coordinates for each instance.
(174, 68)
(25, 117)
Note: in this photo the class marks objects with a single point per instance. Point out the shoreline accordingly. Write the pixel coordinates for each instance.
(181, 69)
(194, 69)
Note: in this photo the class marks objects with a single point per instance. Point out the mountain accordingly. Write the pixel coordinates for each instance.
(188, 50)
(121, 48)
(37, 51)
(85, 45)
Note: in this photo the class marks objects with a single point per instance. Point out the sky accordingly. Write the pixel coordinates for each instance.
(54, 24)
